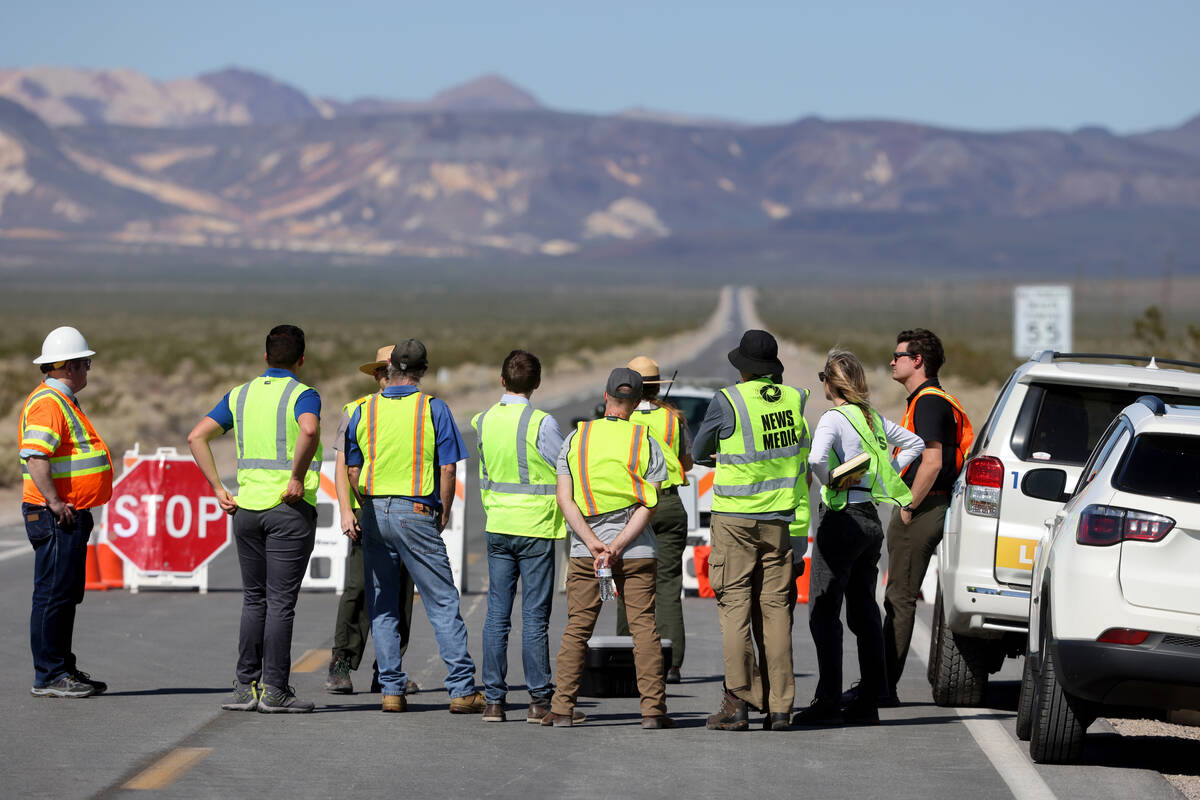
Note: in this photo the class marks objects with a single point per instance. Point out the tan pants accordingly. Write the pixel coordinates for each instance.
(634, 578)
(750, 569)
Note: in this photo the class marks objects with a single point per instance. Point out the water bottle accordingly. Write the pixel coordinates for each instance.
(608, 589)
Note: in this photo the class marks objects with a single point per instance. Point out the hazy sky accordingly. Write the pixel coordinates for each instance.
(987, 65)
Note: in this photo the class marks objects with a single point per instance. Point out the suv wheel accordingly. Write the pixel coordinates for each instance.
(1057, 729)
(1025, 700)
(935, 639)
(959, 667)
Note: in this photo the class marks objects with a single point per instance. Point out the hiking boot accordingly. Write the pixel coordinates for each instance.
(98, 687)
(537, 711)
(552, 720)
(282, 701)
(338, 680)
(468, 704)
(731, 716)
(657, 723)
(777, 721)
(394, 703)
(818, 713)
(66, 686)
(244, 697)
(494, 713)
(672, 675)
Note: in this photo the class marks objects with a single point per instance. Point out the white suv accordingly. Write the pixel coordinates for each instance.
(1114, 622)
(1045, 422)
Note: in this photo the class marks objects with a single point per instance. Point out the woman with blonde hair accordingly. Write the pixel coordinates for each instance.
(849, 538)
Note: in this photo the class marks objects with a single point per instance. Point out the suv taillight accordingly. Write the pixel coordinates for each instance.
(1101, 526)
(985, 476)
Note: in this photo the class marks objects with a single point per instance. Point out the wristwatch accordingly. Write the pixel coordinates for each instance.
(907, 507)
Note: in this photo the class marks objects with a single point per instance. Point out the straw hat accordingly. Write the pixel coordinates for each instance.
(381, 360)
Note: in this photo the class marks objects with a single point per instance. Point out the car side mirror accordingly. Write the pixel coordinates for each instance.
(1046, 483)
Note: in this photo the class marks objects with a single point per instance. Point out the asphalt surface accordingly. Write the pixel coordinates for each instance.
(168, 657)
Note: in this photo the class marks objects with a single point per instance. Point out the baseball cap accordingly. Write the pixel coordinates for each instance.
(624, 376)
(410, 354)
(381, 359)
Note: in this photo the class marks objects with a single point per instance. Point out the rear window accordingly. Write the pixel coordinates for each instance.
(693, 409)
(1060, 424)
(1162, 465)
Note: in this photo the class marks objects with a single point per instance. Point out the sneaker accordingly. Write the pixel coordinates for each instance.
(66, 686)
(731, 716)
(538, 711)
(818, 713)
(494, 713)
(244, 697)
(338, 680)
(672, 675)
(98, 687)
(282, 701)
(394, 703)
(468, 704)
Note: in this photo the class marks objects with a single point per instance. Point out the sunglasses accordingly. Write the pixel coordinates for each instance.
(902, 354)
(821, 377)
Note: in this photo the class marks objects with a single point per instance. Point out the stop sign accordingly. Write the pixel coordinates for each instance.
(164, 517)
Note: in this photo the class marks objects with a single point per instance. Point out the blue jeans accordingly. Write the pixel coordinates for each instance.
(531, 560)
(59, 558)
(394, 533)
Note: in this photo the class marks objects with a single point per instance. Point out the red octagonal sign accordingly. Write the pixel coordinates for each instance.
(163, 517)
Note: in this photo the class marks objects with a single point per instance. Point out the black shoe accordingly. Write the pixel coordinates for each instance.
(777, 721)
(672, 675)
(860, 714)
(818, 713)
(890, 700)
(731, 716)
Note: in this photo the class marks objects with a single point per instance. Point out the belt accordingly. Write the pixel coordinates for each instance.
(669, 490)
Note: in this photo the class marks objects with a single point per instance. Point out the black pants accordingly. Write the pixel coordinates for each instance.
(273, 547)
(353, 622)
(845, 565)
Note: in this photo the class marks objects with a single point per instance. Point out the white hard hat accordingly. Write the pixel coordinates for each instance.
(63, 344)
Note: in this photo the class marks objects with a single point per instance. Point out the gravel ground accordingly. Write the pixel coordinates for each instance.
(1167, 739)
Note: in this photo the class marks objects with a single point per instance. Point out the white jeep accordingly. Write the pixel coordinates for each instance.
(1045, 422)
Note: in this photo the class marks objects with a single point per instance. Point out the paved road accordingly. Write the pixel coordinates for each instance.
(168, 657)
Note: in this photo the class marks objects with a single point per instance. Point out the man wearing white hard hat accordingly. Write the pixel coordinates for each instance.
(66, 470)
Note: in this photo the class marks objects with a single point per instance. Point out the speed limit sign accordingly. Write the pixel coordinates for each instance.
(1041, 319)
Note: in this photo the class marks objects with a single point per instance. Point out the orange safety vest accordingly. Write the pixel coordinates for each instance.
(80, 463)
(964, 435)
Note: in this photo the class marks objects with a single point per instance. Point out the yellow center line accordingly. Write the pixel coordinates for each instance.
(311, 661)
(168, 769)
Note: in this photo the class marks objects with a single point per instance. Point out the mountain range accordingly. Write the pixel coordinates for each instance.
(237, 160)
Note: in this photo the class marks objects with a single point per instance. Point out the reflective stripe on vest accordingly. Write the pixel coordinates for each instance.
(608, 459)
(516, 485)
(82, 476)
(761, 466)
(349, 410)
(882, 479)
(265, 434)
(401, 446)
(964, 434)
(665, 426)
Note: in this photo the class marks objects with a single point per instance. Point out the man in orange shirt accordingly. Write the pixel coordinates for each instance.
(66, 469)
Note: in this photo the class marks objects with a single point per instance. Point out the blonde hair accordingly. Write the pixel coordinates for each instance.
(845, 377)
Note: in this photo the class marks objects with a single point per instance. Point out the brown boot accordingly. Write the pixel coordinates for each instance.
(538, 712)
(731, 716)
(397, 703)
(494, 713)
(469, 704)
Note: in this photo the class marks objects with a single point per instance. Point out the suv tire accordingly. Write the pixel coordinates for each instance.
(1025, 701)
(1057, 729)
(935, 639)
(960, 668)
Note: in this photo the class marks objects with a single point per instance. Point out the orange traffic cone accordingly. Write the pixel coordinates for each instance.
(700, 554)
(91, 576)
(802, 583)
(112, 568)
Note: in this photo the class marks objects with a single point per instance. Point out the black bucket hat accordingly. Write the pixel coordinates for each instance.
(757, 354)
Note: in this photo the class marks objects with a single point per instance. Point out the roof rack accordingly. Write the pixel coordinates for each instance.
(1048, 356)
(1155, 404)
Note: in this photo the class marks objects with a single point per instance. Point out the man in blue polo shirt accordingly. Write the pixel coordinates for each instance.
(401, 449)
(276, 423)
